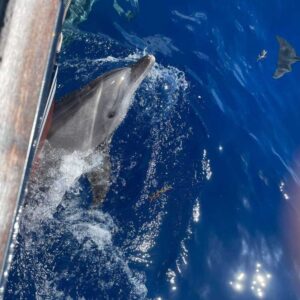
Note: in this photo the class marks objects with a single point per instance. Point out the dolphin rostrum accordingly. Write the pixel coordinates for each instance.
(287, 57)
(87, 118)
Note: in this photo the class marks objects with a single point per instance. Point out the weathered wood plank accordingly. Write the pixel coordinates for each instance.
(27, 41)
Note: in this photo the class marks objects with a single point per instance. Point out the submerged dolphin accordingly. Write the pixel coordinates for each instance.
(86, 119)
(287, 57)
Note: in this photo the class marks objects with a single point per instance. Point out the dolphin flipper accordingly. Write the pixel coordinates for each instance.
(99, 178)
(287, 56)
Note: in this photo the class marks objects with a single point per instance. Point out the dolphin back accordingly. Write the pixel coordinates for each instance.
(78, 122)
(87, 118)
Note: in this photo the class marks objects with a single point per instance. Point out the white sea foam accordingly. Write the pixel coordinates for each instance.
(55, 225)
(206, 168)
(196, 211)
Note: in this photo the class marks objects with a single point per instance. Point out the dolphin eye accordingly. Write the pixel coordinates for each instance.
(111, 114)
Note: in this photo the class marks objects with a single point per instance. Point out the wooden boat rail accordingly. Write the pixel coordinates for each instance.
(28, 43)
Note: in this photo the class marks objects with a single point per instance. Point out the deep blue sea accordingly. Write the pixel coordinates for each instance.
(209, 122)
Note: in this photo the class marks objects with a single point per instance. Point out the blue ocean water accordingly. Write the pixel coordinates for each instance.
(209, 121)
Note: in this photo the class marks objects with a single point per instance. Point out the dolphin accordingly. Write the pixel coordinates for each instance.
(86, 119)
(287, 57)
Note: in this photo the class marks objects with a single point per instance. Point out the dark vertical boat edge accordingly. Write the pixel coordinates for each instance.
(28, 81)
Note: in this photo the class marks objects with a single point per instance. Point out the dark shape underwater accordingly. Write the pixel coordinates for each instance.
(287, 57)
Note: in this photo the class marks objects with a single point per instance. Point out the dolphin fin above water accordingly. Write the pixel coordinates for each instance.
(86, 119)
(287, 57)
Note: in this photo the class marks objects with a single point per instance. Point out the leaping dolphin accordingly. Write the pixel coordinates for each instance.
(86, 119)
(287, 57)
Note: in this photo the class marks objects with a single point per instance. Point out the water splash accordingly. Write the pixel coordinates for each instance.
(59, 238)
(81, 241)
(206, 169)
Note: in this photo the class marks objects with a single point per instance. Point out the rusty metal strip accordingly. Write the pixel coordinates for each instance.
(27, 47)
